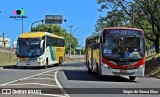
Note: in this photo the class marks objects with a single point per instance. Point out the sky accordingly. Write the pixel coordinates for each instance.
(81, 14)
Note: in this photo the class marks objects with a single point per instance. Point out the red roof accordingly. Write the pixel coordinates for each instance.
(123, 28)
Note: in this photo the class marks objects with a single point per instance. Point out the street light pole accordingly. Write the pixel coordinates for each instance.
(36, 22)
(70, 41)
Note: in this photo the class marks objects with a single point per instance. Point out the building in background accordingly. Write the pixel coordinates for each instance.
(7, 42)
(15, 44)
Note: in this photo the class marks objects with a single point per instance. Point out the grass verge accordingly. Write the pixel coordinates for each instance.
(7, 59)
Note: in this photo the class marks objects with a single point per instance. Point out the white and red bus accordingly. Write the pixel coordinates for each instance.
(116, 51)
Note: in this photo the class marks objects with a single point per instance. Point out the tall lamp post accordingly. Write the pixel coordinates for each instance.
(36, 22)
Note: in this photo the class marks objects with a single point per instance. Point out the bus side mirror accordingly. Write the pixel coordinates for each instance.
(41, 46)
(145, 47)
(98, 45)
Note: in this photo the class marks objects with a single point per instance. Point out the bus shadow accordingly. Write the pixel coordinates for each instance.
(76, 64)
(25, 68)
(85, 76)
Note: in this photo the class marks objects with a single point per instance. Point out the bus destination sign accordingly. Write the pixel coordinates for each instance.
(124, 32)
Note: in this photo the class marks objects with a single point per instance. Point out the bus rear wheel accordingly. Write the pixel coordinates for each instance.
(132, 78)
(60, 62)
(89, 70)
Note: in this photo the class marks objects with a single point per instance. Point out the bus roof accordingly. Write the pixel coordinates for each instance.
(122, 28)
(37, 35)
(114, 28)
(94, 35)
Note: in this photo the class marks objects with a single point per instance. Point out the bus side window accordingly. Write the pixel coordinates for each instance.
(96, 42)
(87, 44)
(98, 45)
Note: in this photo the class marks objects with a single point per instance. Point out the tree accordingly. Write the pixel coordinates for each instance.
(56, 29)
(144, 14)
(113, 19)
(82, 50)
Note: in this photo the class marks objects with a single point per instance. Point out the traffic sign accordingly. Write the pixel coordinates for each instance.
(53, 19)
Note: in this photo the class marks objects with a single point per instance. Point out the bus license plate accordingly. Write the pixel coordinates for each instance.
(123, 71)
(27, 64)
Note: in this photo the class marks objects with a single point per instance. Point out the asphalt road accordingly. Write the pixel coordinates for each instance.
(30, 82)
(73, 79)
(79, 83)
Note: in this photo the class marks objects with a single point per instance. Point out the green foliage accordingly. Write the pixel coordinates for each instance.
(143, 14)
(58, 30)
(82, 50)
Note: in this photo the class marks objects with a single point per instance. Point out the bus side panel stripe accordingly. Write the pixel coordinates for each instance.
(52, 53)
(136, 65)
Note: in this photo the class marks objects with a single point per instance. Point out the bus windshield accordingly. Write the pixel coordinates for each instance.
(28, 47)
(127, 44)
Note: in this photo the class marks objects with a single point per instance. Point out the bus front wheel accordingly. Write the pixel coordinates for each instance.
(46, 65)
(132, 78)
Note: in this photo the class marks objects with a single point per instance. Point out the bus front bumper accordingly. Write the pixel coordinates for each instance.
(123, 72)
(29, 63)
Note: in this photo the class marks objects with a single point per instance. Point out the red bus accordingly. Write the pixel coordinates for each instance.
(116, 51)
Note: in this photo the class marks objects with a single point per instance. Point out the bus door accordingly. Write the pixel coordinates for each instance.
(90, 54)
(91, 61)
(95, 49)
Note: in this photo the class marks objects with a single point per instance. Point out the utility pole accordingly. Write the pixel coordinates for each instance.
(4, 43)
(70, 41)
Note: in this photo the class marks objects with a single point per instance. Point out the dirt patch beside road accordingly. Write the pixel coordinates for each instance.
(152, 68)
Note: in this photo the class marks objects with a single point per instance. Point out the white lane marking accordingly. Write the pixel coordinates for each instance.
(55, 76)
(26, 77)
(30, 84)
(1, 67)
(47, 74)
(41, 78)
(54, 95)
(59, 85)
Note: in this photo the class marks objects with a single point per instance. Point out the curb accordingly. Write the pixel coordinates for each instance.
(1, 68)
(59, 85)
(8, 67)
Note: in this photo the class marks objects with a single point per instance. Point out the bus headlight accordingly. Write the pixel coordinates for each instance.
(105, 65)
(40, 58)
(142, 66)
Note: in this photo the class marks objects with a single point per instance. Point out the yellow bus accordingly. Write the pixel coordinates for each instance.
(40, 49)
